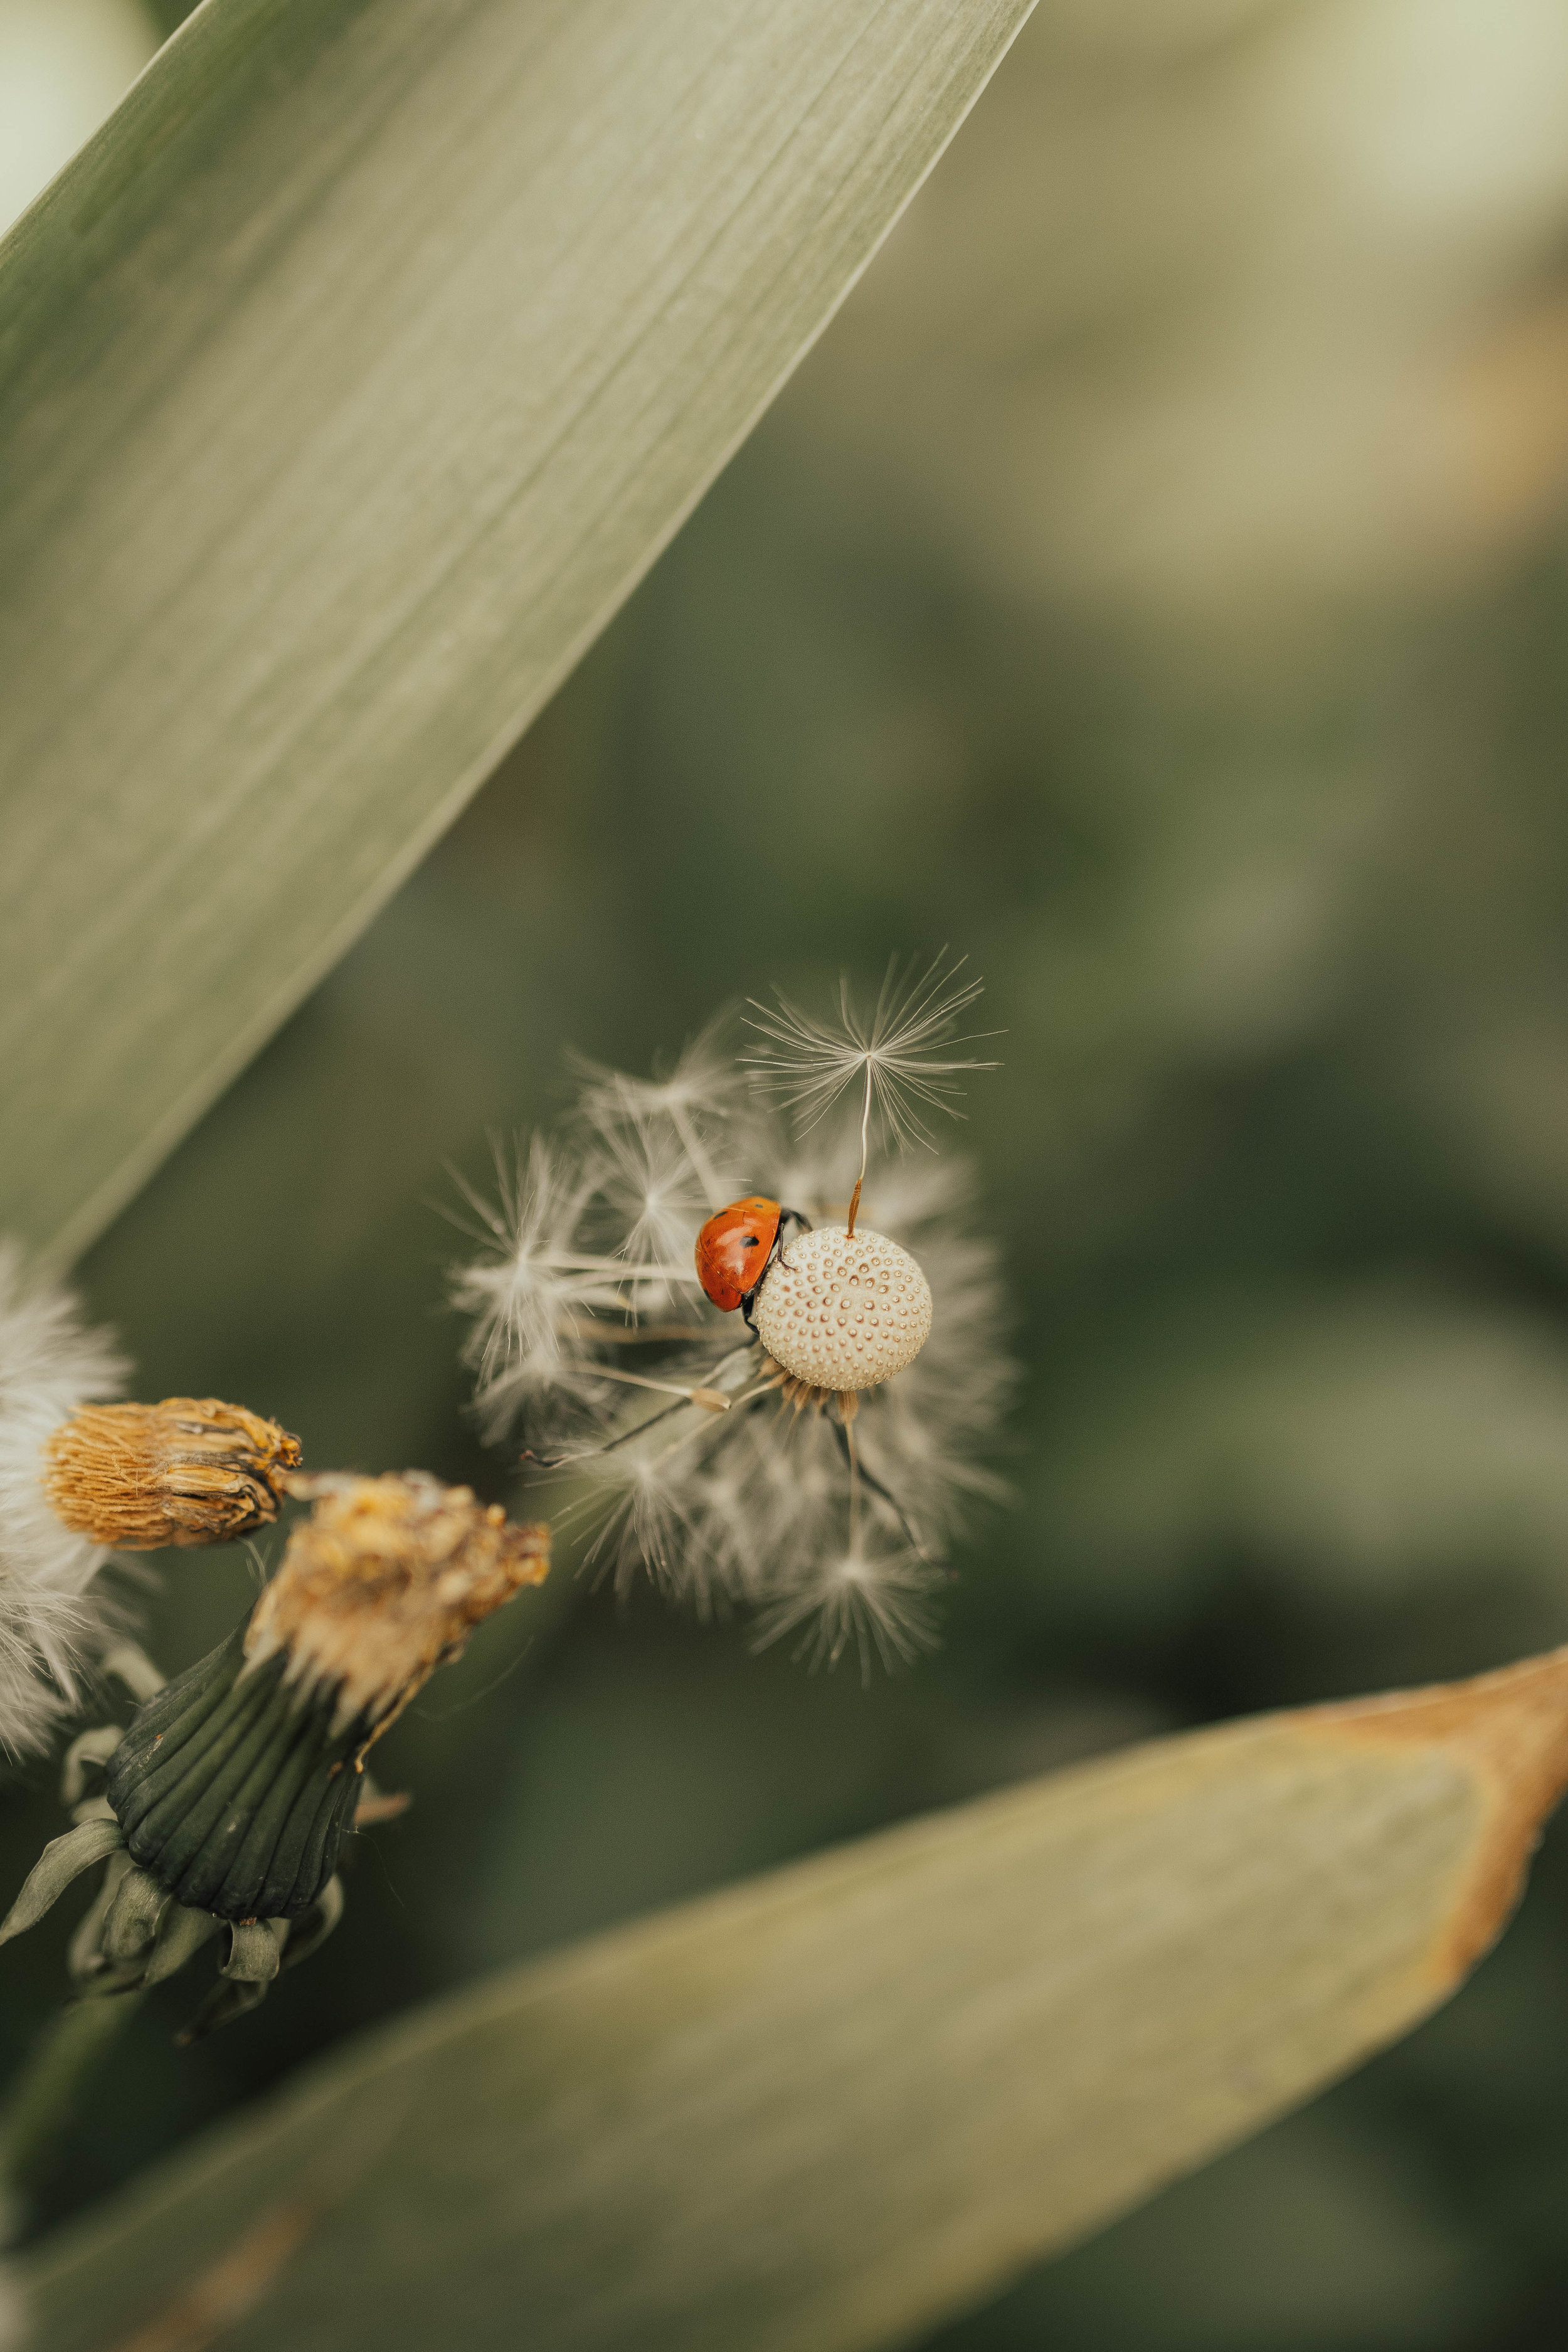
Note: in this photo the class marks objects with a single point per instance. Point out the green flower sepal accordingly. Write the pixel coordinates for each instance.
(137, 1931)
(235, 1788)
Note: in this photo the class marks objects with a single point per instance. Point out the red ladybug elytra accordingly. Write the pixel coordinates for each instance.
(736, 1247)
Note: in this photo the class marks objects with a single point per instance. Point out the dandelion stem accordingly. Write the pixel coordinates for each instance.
(42, 2100)
(865, 1145)
(860, 1476)
(854, 1485)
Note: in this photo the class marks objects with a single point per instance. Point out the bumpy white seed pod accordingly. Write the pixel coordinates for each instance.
(842, 1312)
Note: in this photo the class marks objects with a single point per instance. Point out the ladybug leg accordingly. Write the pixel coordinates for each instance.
(591, 1453)
(786, 1217)
(652, 1421)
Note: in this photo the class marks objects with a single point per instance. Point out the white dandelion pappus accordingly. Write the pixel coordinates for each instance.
(652, 1192)
(880, 1601)
(688, 1449)
(530, 1298)
(700, 1097)
(51, 1364)
(901, 1053)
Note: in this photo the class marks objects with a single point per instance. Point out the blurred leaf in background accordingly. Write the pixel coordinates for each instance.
(826, 2106)
(1156, 584)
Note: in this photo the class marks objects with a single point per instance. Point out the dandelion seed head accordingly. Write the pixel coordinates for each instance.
(727, 1470)
(841, 1313)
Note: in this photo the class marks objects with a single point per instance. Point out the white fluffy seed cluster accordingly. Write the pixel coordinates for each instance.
(590, 1327)
(842, 1313)
(51, 1364)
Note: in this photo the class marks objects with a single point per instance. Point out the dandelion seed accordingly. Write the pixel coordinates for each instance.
(901, 1056)
(878, 1602)
(526, 1298)
(632, 1500)
(698, 1098)
(842, 1416)
(651, 1192)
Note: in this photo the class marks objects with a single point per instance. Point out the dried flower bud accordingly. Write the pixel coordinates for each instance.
(192, 1470)
(236, 1785)
(383, 1583)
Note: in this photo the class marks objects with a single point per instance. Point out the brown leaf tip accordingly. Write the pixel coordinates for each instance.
(384, 1582)
(192, 1470)
(1509, 1729)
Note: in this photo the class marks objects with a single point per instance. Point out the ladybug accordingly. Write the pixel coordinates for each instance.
(735, 1249)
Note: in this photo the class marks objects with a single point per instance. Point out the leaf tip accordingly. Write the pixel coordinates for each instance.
(1510, 1728)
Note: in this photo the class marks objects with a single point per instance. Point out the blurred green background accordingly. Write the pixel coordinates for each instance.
(1157, 585)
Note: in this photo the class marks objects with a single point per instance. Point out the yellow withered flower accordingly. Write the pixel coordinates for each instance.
(192, 1470)
(226, 1801)
(83, 1474)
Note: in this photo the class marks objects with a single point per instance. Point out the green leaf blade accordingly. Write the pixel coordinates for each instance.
(359, 369)
(825, 2110)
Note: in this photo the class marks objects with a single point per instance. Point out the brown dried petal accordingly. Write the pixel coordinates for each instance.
(192, 1470)
(384, 1582)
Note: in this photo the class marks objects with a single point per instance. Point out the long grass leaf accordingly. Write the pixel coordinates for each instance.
(820, 2111)
(353, 374)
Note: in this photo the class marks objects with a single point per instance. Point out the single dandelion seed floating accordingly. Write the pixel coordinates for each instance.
(744, 1390)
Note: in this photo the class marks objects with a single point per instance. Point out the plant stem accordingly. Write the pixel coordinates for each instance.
(865, 1144)
(44, 2099)
(854, 1488)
